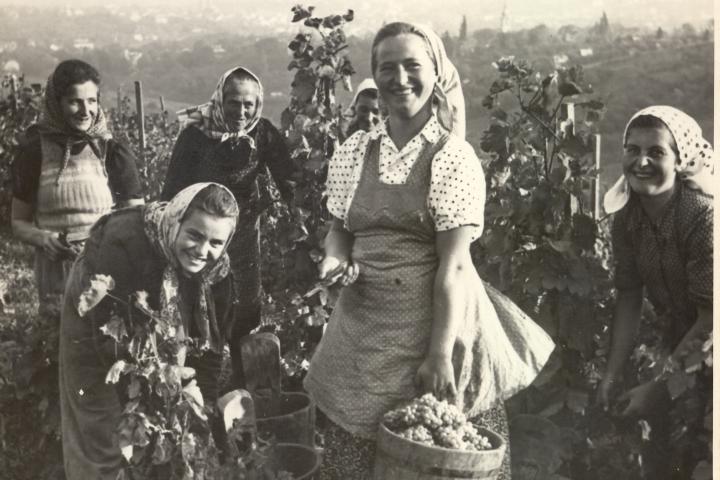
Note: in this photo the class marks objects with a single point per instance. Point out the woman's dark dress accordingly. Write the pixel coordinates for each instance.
(91, 408)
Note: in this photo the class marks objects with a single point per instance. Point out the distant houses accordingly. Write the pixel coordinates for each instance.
(560, 60)
(7, 47)
(83, 44)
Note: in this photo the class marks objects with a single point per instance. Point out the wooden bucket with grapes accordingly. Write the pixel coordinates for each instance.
(430, 439)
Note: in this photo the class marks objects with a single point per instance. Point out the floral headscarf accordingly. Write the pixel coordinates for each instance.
(210, 118)
(448, 89)
(52, 123)
(696, 158)
(162, 222)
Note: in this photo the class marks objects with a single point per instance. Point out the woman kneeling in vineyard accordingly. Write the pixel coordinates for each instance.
(662, 238)
(176, 253)
(68, 173)
(408, 200)
(228, 142)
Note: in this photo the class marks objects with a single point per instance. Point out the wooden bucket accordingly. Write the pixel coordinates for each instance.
(293, 420)
(398, 458)
(301, 461)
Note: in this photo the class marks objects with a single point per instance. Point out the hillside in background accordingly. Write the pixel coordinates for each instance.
(628, 67)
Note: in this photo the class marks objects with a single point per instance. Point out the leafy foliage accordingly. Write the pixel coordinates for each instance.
(292, 243)
(541, 246)
(544, 248)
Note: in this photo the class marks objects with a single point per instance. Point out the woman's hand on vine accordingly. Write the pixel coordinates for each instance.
(333, 269)
(437, 375)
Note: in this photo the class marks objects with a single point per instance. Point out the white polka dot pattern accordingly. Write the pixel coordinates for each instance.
(457, 182)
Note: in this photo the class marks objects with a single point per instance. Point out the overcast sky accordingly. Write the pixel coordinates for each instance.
(447, 14)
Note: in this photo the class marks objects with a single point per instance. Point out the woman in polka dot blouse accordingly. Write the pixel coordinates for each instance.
(662, 241)
(414, 316)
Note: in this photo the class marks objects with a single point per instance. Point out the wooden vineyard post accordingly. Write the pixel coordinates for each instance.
(120, 116)
(163, 114)
(566, 120)
(596, 180)
(140, 121)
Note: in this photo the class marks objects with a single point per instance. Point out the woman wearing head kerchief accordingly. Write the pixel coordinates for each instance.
(68, 172)
(228, 142)
(662, 237)
(176, 253)
(364, 110)
(414, 317)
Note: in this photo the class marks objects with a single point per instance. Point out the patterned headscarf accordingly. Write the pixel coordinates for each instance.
(52, 123)
(696, 158)
(210, 118)
(162, 224)
(448, 89)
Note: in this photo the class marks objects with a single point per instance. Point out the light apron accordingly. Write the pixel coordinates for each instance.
(380, 329)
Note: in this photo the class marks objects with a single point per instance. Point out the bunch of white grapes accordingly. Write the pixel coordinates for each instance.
(435, 422)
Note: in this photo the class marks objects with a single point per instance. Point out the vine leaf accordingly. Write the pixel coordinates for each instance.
(127, 451)
(568, 89)
(99, 287)
(194, 397)
(300, 13)
(115, 328)
(118, 368)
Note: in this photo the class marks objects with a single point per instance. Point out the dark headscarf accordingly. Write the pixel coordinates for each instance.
(53, 124)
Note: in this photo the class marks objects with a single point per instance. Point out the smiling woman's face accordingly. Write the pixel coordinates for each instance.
(650, 161)
(404, 74)
(240, 99)
(201, 240)
(80, 105)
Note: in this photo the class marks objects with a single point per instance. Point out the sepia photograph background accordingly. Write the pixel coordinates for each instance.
(621, 55)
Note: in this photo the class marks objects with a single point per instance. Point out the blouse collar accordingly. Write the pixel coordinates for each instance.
(431, 132)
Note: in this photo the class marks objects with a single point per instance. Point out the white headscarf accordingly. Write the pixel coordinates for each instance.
(448, 89)
(447, 92)
(696, 163)
(366, 84)
(210, 117)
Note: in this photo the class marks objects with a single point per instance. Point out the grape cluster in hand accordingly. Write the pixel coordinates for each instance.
(438, 423)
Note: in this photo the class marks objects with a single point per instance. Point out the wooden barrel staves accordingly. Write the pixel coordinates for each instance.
(301, 461)
(398, 458)
(292, 420)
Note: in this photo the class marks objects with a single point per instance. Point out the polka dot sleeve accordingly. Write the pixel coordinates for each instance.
(342, 170)
(457, 188)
